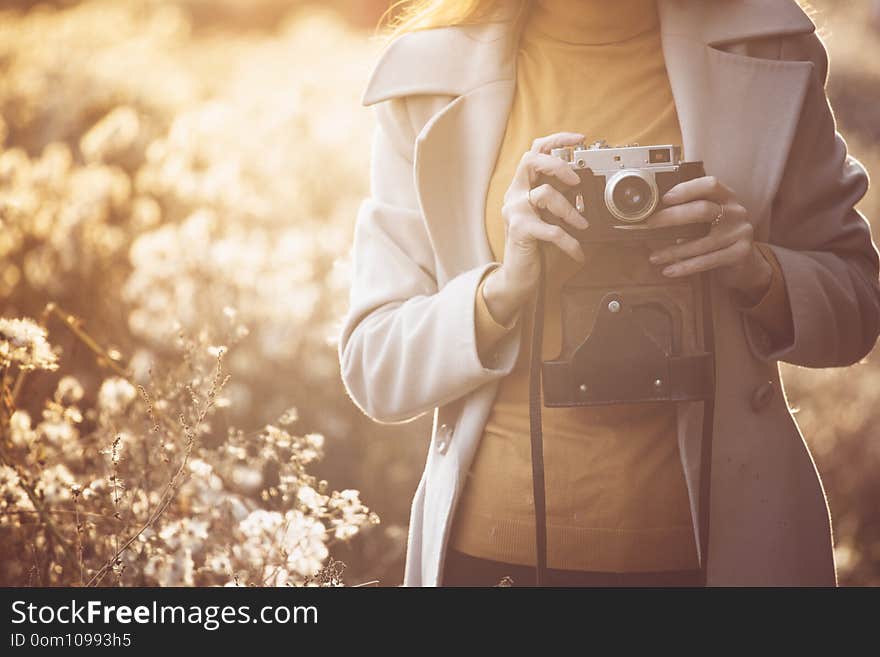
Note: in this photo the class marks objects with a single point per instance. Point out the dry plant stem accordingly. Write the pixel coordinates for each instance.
(279, 533)
(74, 324)
(79, 543)
(114, 459)
(35, 566)
(174, 482)
(103, 358)
(27, 512)
(16, 387)
(3, 375)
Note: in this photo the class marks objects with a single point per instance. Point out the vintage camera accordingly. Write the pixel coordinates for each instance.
(621, 187)
(629, 335)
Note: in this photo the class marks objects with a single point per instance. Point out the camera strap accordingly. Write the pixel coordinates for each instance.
(536, 431)
(535, 428)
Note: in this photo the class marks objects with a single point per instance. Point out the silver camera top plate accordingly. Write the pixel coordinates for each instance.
(601, 158)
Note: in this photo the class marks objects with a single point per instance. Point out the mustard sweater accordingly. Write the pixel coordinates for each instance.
(616, 493)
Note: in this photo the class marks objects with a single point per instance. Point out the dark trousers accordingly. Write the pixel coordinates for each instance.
(464, 570)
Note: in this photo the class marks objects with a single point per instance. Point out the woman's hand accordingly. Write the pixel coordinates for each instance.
(508, 286)
(729, 248)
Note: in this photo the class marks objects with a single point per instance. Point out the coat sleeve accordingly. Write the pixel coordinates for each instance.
(823, 244)
(407, 344)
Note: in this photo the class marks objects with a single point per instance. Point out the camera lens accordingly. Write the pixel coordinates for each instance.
(632, 196)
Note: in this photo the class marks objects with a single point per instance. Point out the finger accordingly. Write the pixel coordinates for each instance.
(723, 258)
(718, 239)
(706, 187)
(693, 248)
(556, 140)
(692, 212)
(557, 235)
(548, 198)
(534, 164)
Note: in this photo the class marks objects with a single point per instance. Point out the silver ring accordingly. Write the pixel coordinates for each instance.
(719, 216)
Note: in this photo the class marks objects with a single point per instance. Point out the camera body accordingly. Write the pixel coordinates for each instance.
(629, 335)
(621, 187)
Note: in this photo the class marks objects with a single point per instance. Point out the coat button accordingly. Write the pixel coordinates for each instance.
(444, 434)
(762, 395)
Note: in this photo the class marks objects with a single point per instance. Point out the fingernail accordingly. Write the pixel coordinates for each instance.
(670, 271)
(654, 259)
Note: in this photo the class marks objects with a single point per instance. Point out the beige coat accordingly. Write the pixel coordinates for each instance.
(748, 81)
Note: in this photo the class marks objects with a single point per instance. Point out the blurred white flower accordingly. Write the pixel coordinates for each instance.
(260, 522)
(246, 478)
(352, 514)
(175, 569)
(69, 390)
(188, 533)
(309, 497)
(23, 343)
(55, 482)
(115, 395)
(20, 430)
(200, 468)
(305, 543)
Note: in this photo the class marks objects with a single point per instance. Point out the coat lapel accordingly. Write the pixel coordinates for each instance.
(738, 113)
(454, 160)
(455, 151)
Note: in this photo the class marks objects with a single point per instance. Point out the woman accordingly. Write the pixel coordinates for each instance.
(470, 98)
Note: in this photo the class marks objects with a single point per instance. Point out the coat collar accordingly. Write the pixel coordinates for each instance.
(465, 57)
(461, 59)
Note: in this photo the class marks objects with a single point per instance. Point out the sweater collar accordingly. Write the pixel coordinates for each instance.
(591, 22)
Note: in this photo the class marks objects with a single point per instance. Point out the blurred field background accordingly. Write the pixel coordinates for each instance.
(183, 175)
